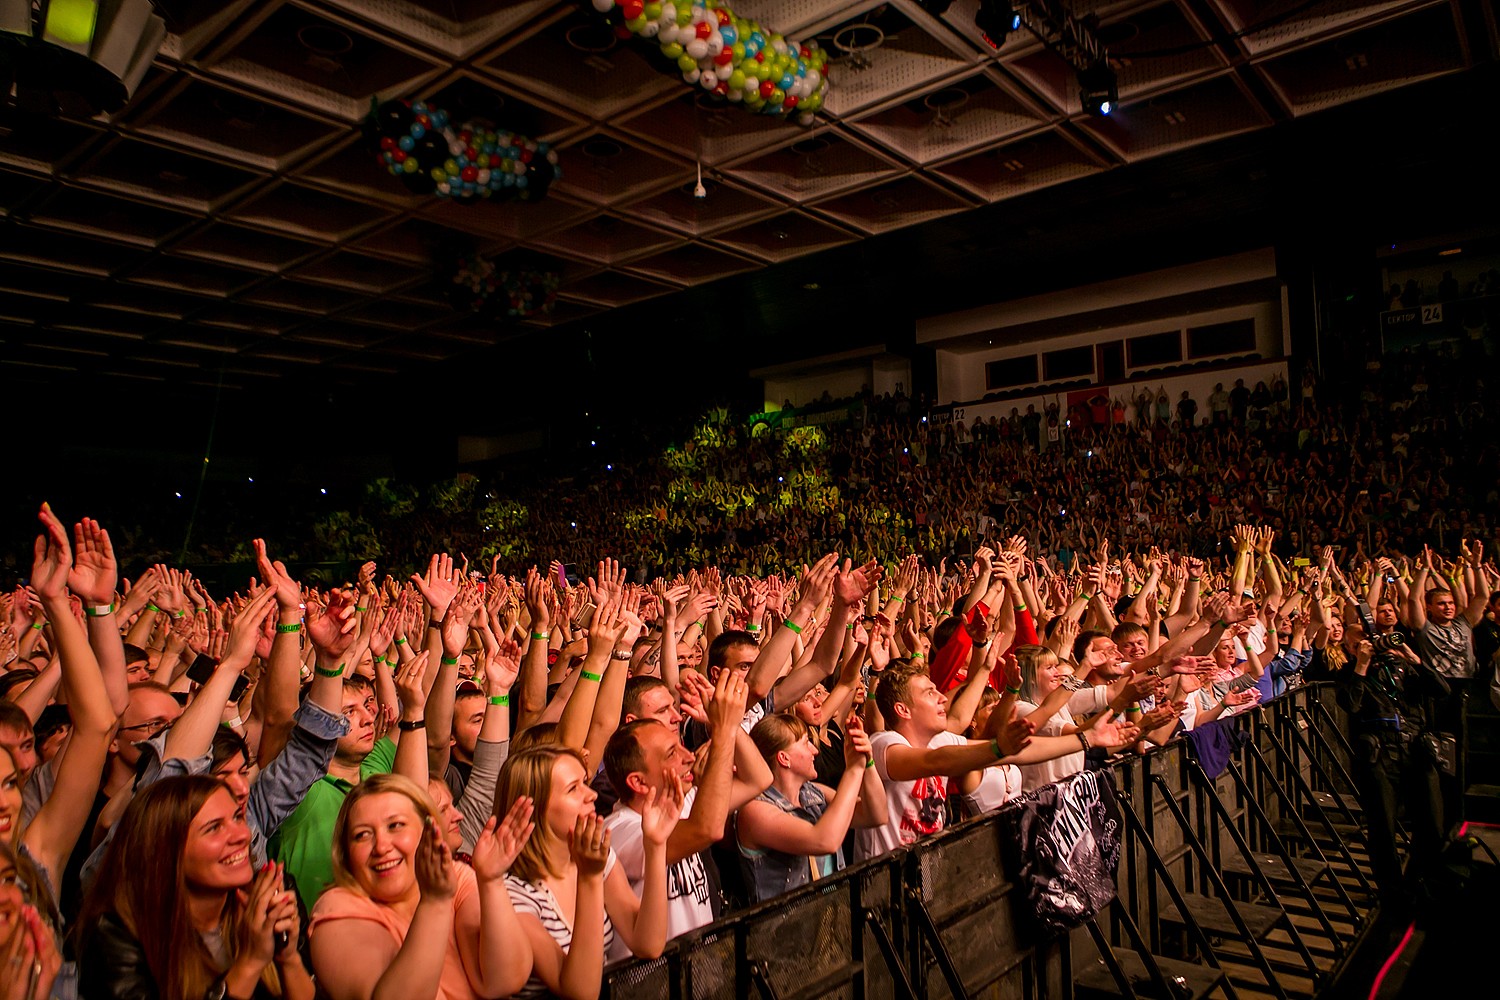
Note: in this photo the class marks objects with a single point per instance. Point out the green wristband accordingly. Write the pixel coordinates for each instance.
(99, 611)
(152, 607)
(500, 699)
(596, 678)
(329, 673)
(379, 660)
(918, 656)
(401, 642)
(896, 600)
(38, 625)
(1011, 690)
(449, 661)
(869, 764)
(793, 626)
(288, 629)
(541, 636)
(752, 628)
(995, 748)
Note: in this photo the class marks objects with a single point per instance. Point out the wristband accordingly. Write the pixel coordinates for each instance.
(449, 661)
(288, 629)
(1221, 624)
(1084, 740)
(99, 610)
(983, 645)
(1020, 608)
(596, 678)
(378, 660)
(896, 600)
(917, 656)
(1194, 579)
(621, 654)
(995, 747)
(358, 608)
(202, 611)
(793, 626)
(329, 673)
(541, 636)
(752, 628)
(1134, 710)
(1086, 597)
(179, 615)
(152, 607)
(411, 727)
(869, 764)
(433, 623)
(500, 699)
(38, 625)
(1011, 690)
(850, 626)
(234, 723)
(401, 641)
(942, 613)
(697, 623)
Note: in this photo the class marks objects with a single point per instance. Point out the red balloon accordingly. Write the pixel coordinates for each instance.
(703, 29)
(723, 15)
(804, 52)
(766, 86)
(465, 136)
(525, 155)
(470, 172)
(423, 121)
(760, 56)
(725, 57)
(622, 32)
(399, 156)
(632, 9)
(789, 103)
(387, 143)
(472, 153)
(721, 88)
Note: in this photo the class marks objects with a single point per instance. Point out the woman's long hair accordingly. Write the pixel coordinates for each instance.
(529, 773)
(141, 882)
(375, 784)
(1031, 659)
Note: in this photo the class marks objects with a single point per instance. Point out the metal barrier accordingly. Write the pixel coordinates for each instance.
(1213, 894)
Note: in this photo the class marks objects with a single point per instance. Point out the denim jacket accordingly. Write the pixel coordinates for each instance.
(275, 792)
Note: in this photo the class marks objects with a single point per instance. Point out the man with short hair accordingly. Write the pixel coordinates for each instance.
(646, 755)
(917, 754)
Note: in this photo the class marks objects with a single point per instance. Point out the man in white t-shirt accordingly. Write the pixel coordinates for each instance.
(917, 755)
(641, 755)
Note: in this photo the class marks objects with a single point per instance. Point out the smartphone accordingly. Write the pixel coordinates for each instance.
(562, 575)
(203, 669)
(1301, 561)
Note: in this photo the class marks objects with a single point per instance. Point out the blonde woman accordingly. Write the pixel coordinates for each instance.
(403, 919)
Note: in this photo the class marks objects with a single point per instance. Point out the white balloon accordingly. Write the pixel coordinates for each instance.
(709, 79)
(650, 30)
(667, 33)
(455, 147)
(735, 95)
(604, 6)
(483, 177)
(715, 42)
(691, 76)
(780, 46)
(805, 118)
(813, 78)
(697, 48)
(669, 13)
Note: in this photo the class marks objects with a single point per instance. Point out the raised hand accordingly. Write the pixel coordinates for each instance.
(695, 693)
(662, 810)
(727, 709)
(274, 574)
(52, 558)
(852, 585)
(1113, 735)
(459, 612)
(440, 584)
(589, 845)
(334, 627)
(95, 572)
(437, 875)
(857, 749)
(249, 626)
(500, 843)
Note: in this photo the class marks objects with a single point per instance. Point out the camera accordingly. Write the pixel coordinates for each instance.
(1386, 642)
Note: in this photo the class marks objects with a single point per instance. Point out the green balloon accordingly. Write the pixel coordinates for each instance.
(672, 50)
(737, 80)
(738, 49)
(653, 10)
(684, 14)
(777, 95)
(686, 63)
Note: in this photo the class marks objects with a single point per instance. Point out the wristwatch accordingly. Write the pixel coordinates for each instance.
(620, 654)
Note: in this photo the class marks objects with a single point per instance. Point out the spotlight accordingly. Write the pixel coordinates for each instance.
(995, 20)
(1098, 89)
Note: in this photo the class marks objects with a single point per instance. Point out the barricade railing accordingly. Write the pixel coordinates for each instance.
(945, 918)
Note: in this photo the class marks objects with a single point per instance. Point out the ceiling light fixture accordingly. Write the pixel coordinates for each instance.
(1098, 89)
(996, 19)
(699, 191)
(76, 57)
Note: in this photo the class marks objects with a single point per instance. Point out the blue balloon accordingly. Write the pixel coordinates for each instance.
(521, 181)
(462, 161)
(787, 81)
(729, 35)
(419, 108)
(406, 143)
(418, 130)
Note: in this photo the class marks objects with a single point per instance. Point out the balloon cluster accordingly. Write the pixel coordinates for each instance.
(431, 155)
(479, 286)
(729, 55)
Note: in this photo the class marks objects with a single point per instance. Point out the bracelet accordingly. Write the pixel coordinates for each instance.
(1020, 608)
(596, 678)
(850, 626)
(99, 610)
(358, 608)
(1194, 579)
(621, 654)
(995, 748)
(152, 607)
(697, 623)
(942, 613)
(896, 600)
(1134, 710)
(378, 660)
(434, 623)
(541, 636)
(500, 699)
(983, 645)
(793, 626)
(449, 661)
(1086, 597)
(329, 673)
(917, 656)
(288, 629)
(752, 628)
(401, 641)
(1011, 690)
(411, 727)
(869, 763)
(179, 615)
(201, 611)
(1221, 624)
(1084, 740)
(38, 625)
(234, 723)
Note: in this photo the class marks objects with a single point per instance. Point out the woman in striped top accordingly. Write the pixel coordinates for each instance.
(574, 903)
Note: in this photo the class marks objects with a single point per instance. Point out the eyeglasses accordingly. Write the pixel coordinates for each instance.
(151, 728)
(13, 878)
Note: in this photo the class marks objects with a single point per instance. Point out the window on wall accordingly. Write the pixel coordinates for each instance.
(1154, 349)
(1008, 373)
(1071, 362)
(1219, 339)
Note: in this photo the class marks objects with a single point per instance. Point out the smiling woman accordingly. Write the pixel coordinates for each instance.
(179, 911)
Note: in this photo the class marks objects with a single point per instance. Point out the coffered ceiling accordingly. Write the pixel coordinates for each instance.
(230, 224)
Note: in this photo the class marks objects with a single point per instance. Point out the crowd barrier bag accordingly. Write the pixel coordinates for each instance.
(1068, 840)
